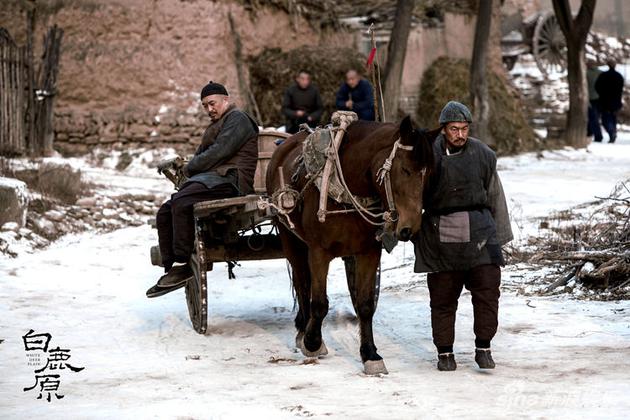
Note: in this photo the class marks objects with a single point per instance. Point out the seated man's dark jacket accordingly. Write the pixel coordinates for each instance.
(362, 99)
(298, 99)
(228, 153)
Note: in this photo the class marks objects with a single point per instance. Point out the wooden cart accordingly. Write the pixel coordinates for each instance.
(540, 35)
(237, 229)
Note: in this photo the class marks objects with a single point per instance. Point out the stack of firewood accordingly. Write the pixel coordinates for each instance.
(589, 245)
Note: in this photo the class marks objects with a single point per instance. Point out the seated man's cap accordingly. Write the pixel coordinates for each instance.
(213, 89)
(455, 112)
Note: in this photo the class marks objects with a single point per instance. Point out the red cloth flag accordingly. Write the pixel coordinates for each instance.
(370, 59)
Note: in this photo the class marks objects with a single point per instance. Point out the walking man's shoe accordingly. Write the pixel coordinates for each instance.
(483, 357)
(446, 362)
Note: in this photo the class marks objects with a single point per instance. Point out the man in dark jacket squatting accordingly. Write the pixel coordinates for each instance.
(464, 225)
(223, 166)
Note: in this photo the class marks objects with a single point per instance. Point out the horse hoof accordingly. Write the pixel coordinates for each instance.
(299, 340)
(375, 367)
(322, 351)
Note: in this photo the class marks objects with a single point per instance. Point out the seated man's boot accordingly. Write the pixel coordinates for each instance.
(176, 278)
(446, 362)
(483, 357)
(176, 275)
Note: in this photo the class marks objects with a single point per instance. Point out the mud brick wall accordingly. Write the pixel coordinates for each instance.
(78, 132)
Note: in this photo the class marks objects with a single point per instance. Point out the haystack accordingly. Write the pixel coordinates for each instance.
(273, 71)
(448, 79)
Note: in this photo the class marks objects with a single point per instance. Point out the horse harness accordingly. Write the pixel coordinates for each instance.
(286, 198)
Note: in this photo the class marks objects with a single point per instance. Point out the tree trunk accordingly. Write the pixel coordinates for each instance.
(478, 80)
(575, 133)
(575, 31)
(396, 51)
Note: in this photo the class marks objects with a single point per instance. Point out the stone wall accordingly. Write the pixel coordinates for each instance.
(77, 132)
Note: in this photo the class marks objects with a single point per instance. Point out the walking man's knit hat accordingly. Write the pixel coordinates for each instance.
(455, 112)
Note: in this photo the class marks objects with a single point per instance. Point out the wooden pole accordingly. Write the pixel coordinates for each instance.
(30, 83)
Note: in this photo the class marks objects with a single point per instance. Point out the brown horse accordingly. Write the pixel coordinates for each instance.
(311, 244)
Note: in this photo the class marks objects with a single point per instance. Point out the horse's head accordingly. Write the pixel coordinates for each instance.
(409, 175)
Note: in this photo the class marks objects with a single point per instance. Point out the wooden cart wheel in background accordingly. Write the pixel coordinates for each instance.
(197, 287)
(549, 46)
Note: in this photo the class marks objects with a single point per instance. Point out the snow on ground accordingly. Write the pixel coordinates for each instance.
(556, 357)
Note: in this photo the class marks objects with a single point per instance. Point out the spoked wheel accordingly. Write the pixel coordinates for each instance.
(549, 46)
(350, 264)
(197, 290)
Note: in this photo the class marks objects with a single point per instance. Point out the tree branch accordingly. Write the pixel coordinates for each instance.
(584, 18)
(562, 9)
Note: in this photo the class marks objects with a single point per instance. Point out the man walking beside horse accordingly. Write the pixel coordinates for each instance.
(464, 225)
(223, 166)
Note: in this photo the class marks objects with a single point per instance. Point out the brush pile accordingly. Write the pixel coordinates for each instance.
(273, 70)
(588, 245)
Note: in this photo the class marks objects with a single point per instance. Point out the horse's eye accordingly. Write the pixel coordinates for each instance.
(406, 171)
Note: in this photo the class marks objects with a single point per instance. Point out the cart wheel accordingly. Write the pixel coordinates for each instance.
(197, 289)
(350, 264)
(549, 46)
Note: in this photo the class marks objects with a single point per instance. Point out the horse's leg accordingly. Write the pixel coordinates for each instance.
(318, 261)
(296, 253)
(366, 266)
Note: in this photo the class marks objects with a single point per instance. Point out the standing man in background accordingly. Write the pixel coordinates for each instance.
(609, 86)
(302, 103)
(356, 94)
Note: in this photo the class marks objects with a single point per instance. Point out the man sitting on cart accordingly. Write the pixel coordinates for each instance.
(223, 166)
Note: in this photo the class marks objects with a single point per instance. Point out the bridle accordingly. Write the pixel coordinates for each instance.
(389, 216)
(383, 175)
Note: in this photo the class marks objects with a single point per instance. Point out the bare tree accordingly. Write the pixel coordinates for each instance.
(396, 51)
(478, 80)
(575, 31)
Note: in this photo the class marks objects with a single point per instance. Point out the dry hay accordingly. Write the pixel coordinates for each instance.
(273, 71)
(448, 79)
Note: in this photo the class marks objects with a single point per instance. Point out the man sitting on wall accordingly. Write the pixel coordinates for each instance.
(223, 166)
(302, 103)
(356, 94)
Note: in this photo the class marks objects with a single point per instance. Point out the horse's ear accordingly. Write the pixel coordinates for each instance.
(432, 134)
(406, 129)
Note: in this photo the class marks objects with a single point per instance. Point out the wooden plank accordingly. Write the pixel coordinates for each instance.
(3, 94)
(271, 249)
(4, 85)
(12, 136)
(205, 208)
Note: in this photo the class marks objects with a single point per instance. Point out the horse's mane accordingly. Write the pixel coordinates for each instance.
(423, 148)
(422, 139)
